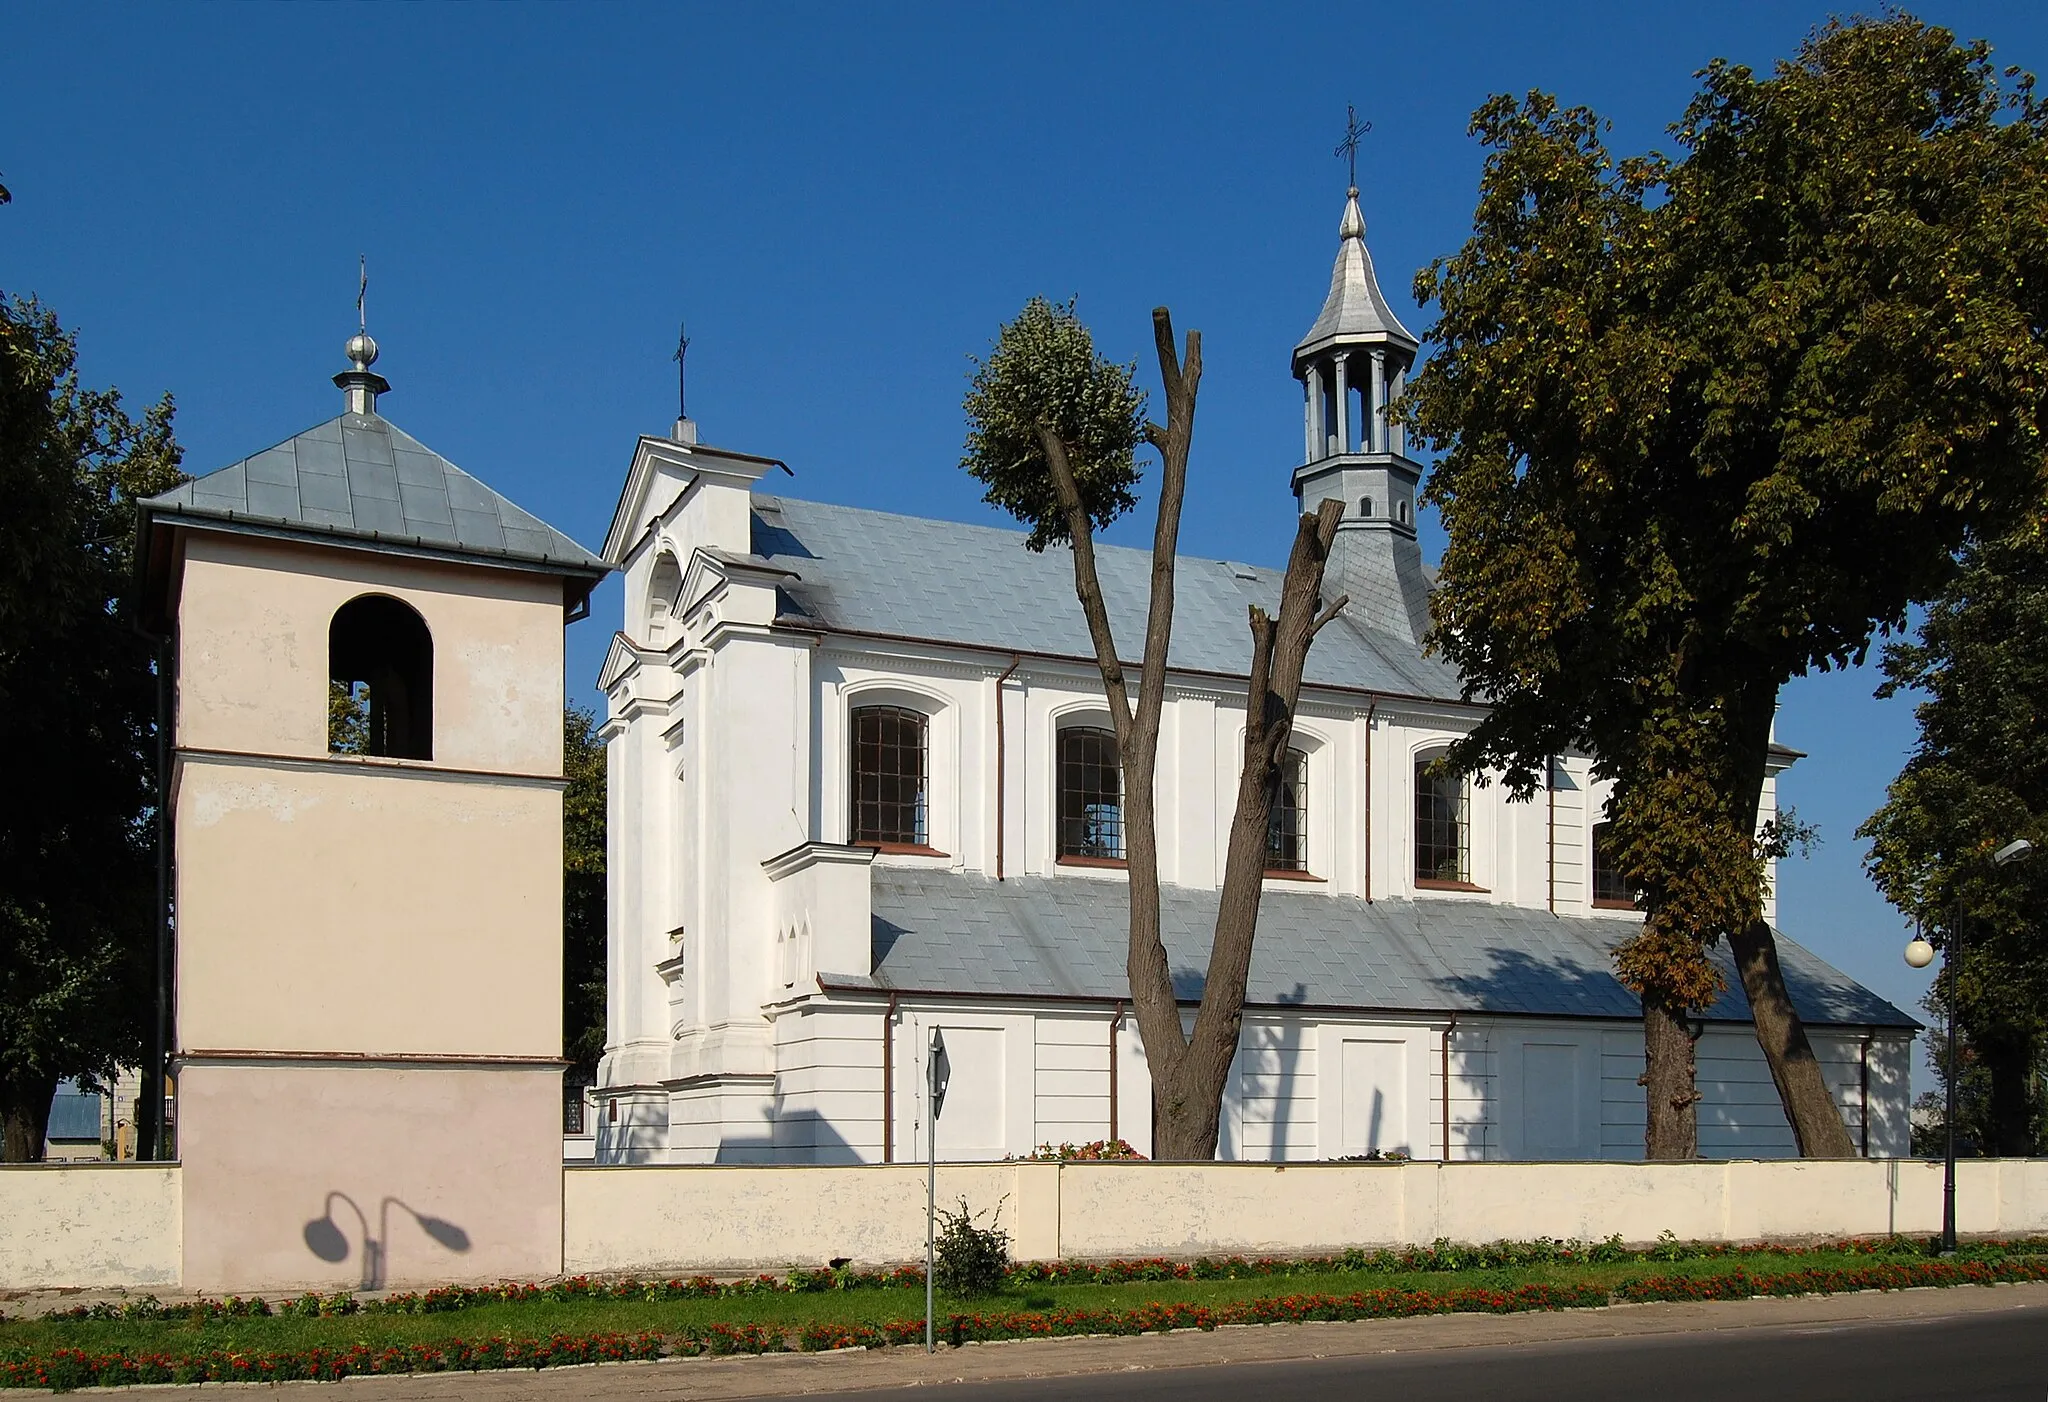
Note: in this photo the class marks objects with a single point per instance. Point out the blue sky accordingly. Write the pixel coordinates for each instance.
(844, 202)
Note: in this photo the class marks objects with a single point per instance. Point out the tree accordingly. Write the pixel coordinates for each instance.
(1977, 779)
(583, 895)
(1709, 423)
(1054, 430)
(78, 693)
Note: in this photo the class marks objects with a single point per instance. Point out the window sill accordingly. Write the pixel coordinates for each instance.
(1287, 874)
(903, 849)
(1599, 904)
(1112, 863)
(1426, 883)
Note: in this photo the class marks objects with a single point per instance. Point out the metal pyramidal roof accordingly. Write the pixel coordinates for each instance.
(1356, 310)
(361, 478)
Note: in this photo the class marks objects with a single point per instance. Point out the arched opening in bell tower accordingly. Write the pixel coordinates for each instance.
(380, 680)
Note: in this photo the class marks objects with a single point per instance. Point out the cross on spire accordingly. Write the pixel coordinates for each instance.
(1348, 147)
(362, 291)
(682, 350)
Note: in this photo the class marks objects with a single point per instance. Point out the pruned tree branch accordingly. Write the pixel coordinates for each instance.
(1087, 585)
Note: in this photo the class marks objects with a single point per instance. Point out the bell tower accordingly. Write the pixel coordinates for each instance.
(1352, 363)
(367, 806)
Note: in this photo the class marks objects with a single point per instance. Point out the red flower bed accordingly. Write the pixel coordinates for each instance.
(66, 1368)
(1740, 1284)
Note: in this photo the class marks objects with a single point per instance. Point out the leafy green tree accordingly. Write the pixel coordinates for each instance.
(1707, 423)
(1054, 430)
(78, 693)
(583, 895)
(1977, 779)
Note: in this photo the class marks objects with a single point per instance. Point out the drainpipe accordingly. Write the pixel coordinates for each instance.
(1016, 660)
(1863, 1081)
(1449, 1028)
(889, 1081)
(1370, 712)
(1115, 1021)
(1550, 838)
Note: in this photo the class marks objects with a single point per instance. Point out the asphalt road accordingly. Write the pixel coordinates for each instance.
(1992, 1356)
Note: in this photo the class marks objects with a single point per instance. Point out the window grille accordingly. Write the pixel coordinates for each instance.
(1610, 887)
(1443, 825)
(890, 792)
(1287, 826)
(1091, 794)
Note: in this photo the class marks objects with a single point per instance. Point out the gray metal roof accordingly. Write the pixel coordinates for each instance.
(1355, 308)
(949, 932)
(977, 586)
(361, 477)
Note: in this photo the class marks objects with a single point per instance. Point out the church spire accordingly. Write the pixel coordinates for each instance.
(1355, 358)
(1352, 364)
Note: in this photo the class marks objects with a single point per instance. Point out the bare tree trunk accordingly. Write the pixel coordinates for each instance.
(1279, 651)
(1810, 1109)
(25, 1116)
(1670, 1096)
(1188, 1074)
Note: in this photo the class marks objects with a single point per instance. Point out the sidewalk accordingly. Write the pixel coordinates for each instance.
(779, 1375)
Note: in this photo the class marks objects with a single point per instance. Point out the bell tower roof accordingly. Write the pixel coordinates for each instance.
(1356, 313)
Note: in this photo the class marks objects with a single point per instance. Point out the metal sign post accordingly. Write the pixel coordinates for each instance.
(937, 1071)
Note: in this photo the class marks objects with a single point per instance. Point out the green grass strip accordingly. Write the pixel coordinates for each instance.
(65, 1368)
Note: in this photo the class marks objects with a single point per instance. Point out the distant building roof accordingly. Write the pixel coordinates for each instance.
(875, 573)
(361, 479)
(951, 933)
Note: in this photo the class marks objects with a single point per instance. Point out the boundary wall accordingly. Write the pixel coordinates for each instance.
(672, 1218)
(90, 1226)
(122, 1225)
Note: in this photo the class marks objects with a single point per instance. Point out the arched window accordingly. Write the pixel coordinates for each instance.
(890, 792)
(1287, 826)
(1443, 825)
(380, 680)
(1091, 794)
(1365, 506)
(1610, 887)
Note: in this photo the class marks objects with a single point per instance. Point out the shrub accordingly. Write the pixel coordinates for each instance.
(970, 1260)
(1084, 1153)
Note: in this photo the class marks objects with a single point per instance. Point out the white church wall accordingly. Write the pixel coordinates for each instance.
(828, 1097)
(1072, 1082)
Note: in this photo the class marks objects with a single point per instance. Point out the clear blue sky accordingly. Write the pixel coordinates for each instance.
(844, 202)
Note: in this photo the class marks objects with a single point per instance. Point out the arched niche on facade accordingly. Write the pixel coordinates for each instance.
(664, 590)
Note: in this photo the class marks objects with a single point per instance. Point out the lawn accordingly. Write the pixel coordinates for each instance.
(780, 1312)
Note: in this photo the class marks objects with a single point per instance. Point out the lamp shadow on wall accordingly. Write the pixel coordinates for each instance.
(325, 1238)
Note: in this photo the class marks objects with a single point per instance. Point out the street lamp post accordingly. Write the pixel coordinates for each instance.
(1919, 954)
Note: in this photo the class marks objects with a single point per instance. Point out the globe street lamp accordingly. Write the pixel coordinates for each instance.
(1919, 954)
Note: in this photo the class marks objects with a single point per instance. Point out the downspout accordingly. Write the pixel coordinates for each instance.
(889, 1081)
(1550, 837)
(1115, 1021)
(1863, 1082)
(1370, 713)
(160, 1039)
(1449, 1028)
(1016, 660)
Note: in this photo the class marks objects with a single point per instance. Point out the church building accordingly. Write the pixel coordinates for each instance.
(863, 784)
